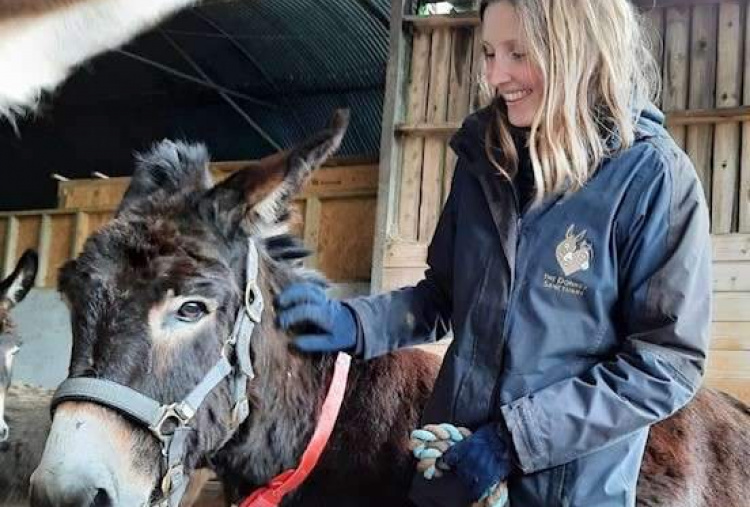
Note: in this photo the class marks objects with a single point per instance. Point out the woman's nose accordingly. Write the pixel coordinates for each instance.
(497, 73)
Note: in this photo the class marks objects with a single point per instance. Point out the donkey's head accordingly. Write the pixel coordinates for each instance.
(154, 297)
(12, 290)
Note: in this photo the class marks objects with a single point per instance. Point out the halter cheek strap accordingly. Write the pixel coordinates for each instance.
(170, 423)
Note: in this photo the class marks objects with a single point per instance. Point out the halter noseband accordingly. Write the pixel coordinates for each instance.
(170, 423)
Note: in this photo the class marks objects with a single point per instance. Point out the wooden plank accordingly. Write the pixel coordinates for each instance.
(28, 233)
(80, 233)
(43, 250)
(728, 364)
(731, 307)
(413, 148)
(98, 219)
(328, 182)
(709, 116)
(477, 72)
(424, 129)
(730, 336)
(434, 149)
(702, 90)
(744, 200)
(406, 255)
(727, 136)
(11, 245)
(731, 247)
(62, 236)
(673, 118)
(676, 65)
(390, 148)
(459, 93)
(731, 276)
(346, 229)
(91, 193)
(654, 25)
(312, 230)
(395, 278)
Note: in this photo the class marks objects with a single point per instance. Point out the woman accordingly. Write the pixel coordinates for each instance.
(571, 261)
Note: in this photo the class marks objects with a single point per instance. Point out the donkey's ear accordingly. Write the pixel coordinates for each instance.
(168, 168)
(14, 288)
(266, 187)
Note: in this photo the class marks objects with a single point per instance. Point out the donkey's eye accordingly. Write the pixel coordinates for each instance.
(192, 311)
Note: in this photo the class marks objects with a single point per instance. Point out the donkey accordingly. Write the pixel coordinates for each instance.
(12, 291)
(42, 41)
(154, 296)
(25, 409)
(156, 293)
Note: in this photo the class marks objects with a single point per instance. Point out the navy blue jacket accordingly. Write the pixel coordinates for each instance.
(579, 321)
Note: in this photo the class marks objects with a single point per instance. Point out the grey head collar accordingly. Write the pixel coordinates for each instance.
(170, 423)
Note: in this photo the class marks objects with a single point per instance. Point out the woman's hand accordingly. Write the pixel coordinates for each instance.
(319, 324)
(480, 461)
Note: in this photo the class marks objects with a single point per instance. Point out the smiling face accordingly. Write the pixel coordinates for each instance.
(508, 68)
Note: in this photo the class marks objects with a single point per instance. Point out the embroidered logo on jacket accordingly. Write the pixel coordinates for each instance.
(573, 253)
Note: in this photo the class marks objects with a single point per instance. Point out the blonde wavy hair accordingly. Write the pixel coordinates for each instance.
(599, 75)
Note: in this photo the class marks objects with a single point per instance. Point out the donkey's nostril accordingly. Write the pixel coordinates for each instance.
(4, 433)
(101, 499)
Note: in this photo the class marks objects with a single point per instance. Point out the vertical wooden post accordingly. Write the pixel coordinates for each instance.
(390, 148)
(702, 90)
(727, 136)
(434, 146)
(655, 30)
(11, 244)
(459, 94)
(45, 234)
(676, 65)
(80, 233)
(411, 169)
(744, 201)
(312, 229)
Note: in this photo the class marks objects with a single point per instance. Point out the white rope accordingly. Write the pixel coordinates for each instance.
(428, 445)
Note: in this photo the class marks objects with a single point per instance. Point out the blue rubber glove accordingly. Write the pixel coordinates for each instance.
(319, 323)
(482, 460)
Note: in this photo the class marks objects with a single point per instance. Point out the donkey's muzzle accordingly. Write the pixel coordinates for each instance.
(49, 489)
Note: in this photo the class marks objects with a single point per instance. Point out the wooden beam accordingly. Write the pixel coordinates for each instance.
(730, 336)
(731, 307)
(423, 129)
(676, 66)
(45, 237)
(731, 247)
(80, 233)
(701, 96)
(11, 243)
(673, 118)
(311, 232)
(726, 166)
(731, 276)
(390, 147)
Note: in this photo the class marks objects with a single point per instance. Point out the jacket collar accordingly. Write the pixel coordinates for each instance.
(469, 142)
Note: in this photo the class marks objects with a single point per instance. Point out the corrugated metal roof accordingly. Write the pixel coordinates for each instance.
(305, 56)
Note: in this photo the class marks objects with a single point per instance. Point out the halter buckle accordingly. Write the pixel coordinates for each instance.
(180, 413)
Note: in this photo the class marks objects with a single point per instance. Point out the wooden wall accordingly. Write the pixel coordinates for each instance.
(703, 49)
(335, 215)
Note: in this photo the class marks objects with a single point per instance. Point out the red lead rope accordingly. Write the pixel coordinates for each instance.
(286, 482)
